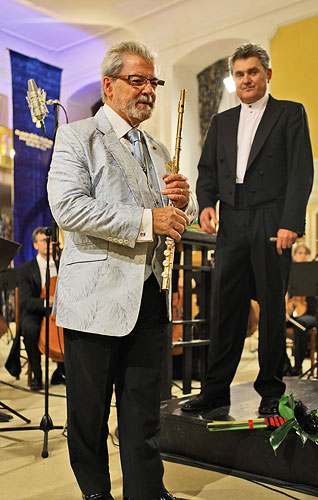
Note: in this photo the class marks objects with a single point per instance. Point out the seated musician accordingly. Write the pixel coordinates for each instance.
(303, 310)
(31, 278)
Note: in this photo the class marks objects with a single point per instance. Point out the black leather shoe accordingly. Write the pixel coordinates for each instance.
(204, 403)
(287, 370)
(58, 377)
(268, 406)
(97, 496)
(165, 496)
(296, 371)
(36, 384)
(4, 417)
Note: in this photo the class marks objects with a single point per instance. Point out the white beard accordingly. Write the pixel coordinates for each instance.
(130, 108)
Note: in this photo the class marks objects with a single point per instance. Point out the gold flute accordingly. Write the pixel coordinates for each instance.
(173, 168)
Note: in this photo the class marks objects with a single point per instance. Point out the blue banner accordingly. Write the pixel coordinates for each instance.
(33, 150)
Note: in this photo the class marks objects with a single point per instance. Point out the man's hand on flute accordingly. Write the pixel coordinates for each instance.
(177, 189)
(170, 221)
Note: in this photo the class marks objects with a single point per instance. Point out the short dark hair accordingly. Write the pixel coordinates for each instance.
(36, 232)
(250, 50)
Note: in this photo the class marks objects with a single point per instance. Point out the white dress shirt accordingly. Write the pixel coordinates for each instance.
(42, 266)
(250, 117)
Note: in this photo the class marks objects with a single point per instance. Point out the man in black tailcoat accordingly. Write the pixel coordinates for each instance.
(31, 278)
(257, 162)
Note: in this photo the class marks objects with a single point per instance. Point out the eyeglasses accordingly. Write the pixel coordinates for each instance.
(140, 81)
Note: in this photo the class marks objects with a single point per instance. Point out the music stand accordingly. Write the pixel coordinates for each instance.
(303, 281)
(8, 250)
(8, 281)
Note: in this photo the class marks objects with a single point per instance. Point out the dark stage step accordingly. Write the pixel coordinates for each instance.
(244, 453)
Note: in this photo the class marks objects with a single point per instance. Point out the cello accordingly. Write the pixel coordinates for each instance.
(56, 336)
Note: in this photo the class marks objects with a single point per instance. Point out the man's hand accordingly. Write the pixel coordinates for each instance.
(177, 189)
(170, 221)
(51, 300)
(285, 239)
(208, 214)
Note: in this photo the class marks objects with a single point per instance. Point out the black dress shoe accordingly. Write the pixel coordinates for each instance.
(287, 370)
(296, 371)
(36, 384)
(58, 377)
(165, 496)
(206, 403)
(98, 496)
(4, 417)
(268, 406)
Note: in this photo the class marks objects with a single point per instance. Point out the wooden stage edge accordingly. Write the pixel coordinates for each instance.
(243, 453)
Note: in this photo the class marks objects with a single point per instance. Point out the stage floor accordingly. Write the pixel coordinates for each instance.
(244, 453)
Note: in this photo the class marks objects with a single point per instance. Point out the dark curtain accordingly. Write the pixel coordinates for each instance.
(211, 86)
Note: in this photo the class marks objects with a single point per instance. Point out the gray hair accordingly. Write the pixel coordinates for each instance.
(36, 232)
(250, 50)
(114, 58)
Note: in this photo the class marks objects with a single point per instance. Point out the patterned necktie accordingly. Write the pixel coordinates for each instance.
(133, 135)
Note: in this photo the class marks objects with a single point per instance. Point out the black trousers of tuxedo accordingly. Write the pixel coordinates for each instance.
(93, 364)
(247, 266)
(31, 328)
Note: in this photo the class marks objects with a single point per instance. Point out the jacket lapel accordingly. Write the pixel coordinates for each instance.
(125, 161)
(36, 275)
(269, 118)
(230, 128)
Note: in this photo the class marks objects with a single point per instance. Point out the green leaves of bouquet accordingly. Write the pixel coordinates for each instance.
(304, 423)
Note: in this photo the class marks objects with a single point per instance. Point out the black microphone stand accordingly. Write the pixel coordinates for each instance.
(46, 423)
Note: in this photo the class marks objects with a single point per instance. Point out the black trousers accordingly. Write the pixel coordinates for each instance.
(133, 363)
(247, 266)
(31, 328)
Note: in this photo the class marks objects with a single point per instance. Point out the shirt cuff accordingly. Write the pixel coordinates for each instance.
(191, 209)
(145, 230)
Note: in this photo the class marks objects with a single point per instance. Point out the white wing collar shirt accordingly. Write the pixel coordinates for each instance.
(250, 117)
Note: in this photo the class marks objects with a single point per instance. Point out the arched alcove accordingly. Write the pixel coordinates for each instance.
(79, 104)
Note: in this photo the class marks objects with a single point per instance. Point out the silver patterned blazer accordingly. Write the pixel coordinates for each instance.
(95, 193)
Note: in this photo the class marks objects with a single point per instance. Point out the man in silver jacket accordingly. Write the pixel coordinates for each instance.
(112, 202)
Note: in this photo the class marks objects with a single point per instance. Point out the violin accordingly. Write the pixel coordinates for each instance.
(296, 306)
(177, 314)
(56, 337)
(3, 326)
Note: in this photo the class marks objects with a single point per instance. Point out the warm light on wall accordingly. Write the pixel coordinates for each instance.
(229, 84)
